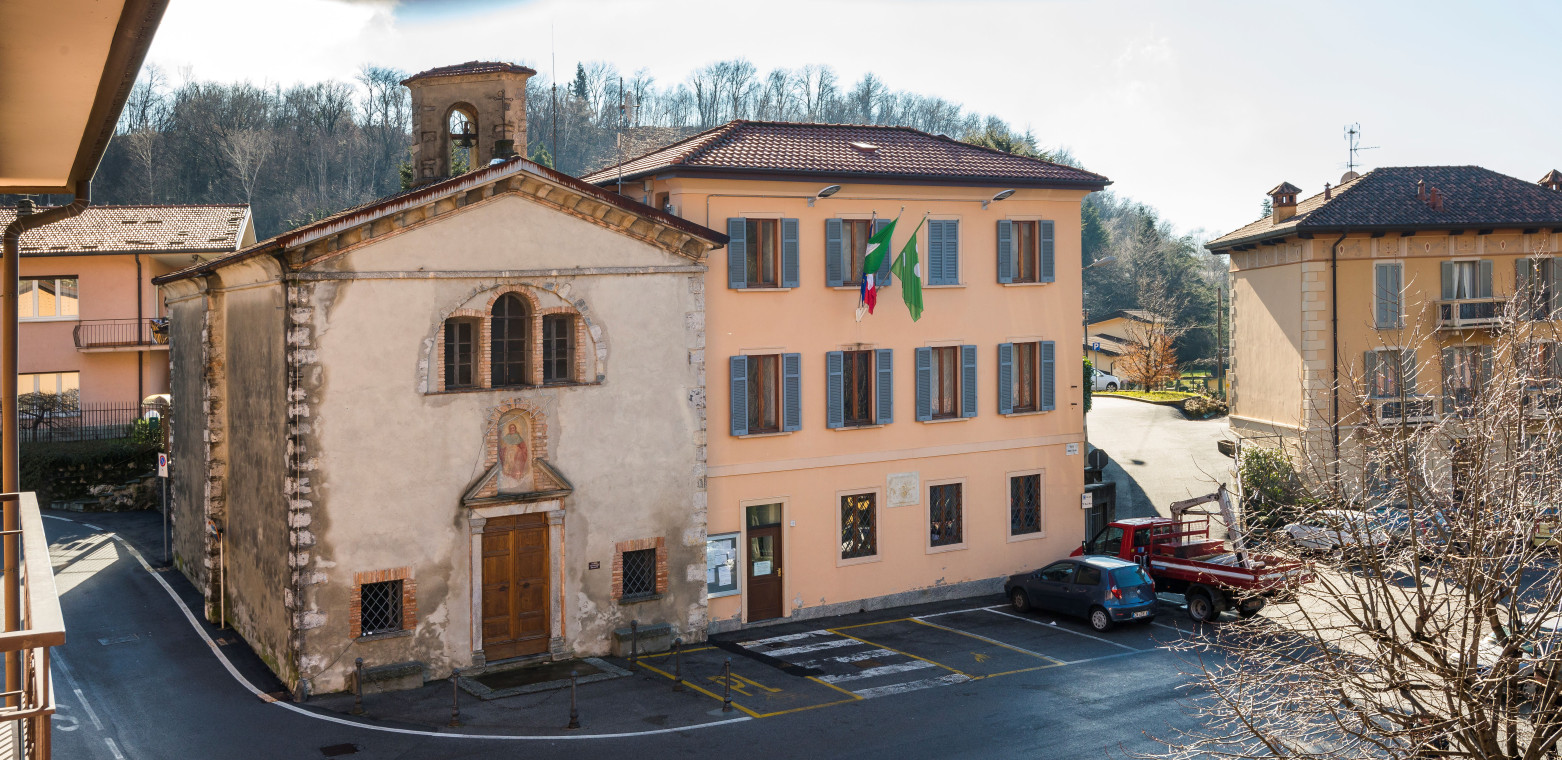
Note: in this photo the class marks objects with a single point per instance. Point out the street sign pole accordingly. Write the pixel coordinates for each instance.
(162, 474)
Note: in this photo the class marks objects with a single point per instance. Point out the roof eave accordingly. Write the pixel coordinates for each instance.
(1222, 244)
(898, 178)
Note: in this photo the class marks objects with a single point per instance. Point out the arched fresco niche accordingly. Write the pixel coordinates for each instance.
(515, 453)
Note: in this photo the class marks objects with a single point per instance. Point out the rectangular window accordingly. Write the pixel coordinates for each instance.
(1026, 249)
(1462, 377)
(67, 384)
(721, 565)
(47, 298)
(460, 354)
(1536, 287)
(558, 356)
(859, 524)
(1024, 504)
(945, 523)
(1026, 375)
(764, 393)
(379, 607)
(945, 387)
(854, 241)
(1384, 376)
(857, 387)
(639, 573)
(763, 255)
(1389, 284)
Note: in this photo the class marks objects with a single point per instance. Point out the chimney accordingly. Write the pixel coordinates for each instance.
(478, 107)
(1552, 180)
(1283, 200)
(1328, 192)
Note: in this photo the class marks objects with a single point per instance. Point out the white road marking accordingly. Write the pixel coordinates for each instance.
(952, 612)
(979, 637)
(815, 647)
(1065, 630)
(780, 639)
(114, 748)
(882, 670)
(853, 657)
(90, 525)
(70, 679)
(901, 688)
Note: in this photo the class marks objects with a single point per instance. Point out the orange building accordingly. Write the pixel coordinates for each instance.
(875, 461)
(87, 302)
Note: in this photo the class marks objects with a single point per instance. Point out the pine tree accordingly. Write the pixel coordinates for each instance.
(578, 88)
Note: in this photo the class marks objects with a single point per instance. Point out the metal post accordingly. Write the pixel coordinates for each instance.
(358, 687)
(634, 644)
(678, 664)
(166, 559)
(726, 679)
(574, 711)
(1220, 341)
(455, 699)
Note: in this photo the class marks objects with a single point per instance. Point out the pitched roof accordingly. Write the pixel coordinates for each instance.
(472, 67)
(1109, 344)
(1283, 187)
(1137, 315)
(138, 229)
(846, 150)
(1385, 200)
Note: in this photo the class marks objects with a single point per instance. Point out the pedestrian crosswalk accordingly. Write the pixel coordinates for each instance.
(850, 664)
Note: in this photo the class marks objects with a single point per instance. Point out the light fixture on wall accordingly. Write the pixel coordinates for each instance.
(825, 193)
(1000, 196)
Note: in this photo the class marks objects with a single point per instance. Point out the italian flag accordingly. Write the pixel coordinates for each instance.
(878, 248)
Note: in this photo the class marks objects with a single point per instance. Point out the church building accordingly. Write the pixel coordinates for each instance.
(460, 425)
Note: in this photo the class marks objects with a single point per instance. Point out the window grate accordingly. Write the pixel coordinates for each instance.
(944, 519)
(379, 607)
(639, 573)
(859, 537)
(1024, 504)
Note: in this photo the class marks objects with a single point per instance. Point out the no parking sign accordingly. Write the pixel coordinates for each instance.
(162, 465)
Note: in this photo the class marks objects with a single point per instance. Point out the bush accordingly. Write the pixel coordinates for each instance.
(65, 471)
(1271, 491)
(1090, 383)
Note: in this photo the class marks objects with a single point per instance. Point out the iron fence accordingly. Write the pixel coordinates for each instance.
(82, 422)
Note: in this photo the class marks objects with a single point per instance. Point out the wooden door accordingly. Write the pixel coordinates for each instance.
(515, 587)
(764, 573)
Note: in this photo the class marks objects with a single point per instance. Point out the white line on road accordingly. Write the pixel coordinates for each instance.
(815, 647)
(114, 748)
(882, 670)
(952, 612)
(1003, 644)
(850, 658)
(901, 688)
(1065, 630)
(783, 638)
(70, 679)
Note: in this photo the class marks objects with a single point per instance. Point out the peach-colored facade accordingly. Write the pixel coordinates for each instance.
(809, 470)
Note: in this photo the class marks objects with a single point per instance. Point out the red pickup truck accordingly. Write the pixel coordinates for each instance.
(1181, 557)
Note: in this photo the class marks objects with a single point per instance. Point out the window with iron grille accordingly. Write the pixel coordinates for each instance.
(857, 384)
(944, 519)
(508, 341)
(859, 535)
(1024, 504)
(639, 573)
(460, 354)
(558, 360)
(379, 607)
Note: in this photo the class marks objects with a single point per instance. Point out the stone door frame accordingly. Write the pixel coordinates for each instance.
(477, 520)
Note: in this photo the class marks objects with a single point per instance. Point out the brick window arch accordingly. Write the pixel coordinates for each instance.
(510, 341)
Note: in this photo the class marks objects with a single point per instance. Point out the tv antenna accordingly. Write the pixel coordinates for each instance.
(1353, 139)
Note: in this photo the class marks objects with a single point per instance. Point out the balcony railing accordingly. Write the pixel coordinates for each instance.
(27, 709)
(119, 334)
(1406, 410)
(1468, 313)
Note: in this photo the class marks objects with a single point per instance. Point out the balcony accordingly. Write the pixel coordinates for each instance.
(1469, 313)
(1543, 403)
(1406, 411)
(121, 335)
(25, 715)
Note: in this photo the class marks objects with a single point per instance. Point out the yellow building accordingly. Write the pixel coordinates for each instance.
(1382, 289)
(869, 462)
(1108, 340)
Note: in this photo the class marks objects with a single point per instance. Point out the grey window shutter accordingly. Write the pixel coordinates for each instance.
(1381, 296)
(968, 381)
(881, 278)
(1049, 270)
(1486, 368)
(792, 388)
(835, 389)
(737, 250)
(934, 266)
(1005, 378)
(789, 253)
(951, 257)
(739, 401)
(1556, 361)
(924, 384)
(1483, 279)
(1049, 376)
(1448, 280)
(1524, 287)
(1407, 372)
(1448, 381)
(1388, 287)
(1369, 370)
(884, 367)
(1005, 250)
(834, 259)
(1554, 293)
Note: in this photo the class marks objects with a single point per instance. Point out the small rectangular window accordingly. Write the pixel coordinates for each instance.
(857, 387)
(763, 255)
(1024, 504)
(47, 297)
(379, 607)
(764, 393)
(859, 526)
(945, 384)
(1026, 262)
(1026, 386)
(639, 573)
(1386, 372)
(945, 521)
(854, 241)
(1087, 576)
(558, 356)
(460, 354)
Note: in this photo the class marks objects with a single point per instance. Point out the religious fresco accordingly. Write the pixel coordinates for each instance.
(515, 454)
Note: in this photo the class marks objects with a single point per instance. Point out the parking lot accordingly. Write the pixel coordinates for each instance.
(793, 667)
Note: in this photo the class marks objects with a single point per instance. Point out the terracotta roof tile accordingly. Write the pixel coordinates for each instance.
(846, 150)
(102, 229)
(472, 67)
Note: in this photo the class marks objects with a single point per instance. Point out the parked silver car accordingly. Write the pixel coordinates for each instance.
(1106, 381)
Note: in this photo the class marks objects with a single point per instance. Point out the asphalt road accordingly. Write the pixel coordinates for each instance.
(1158, 456)
(137, 681)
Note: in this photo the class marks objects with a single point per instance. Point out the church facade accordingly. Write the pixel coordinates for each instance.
(461, 425)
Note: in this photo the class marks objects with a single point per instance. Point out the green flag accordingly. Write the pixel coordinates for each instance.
(910, 274)
(878, 248)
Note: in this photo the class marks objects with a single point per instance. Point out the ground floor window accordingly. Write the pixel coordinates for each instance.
(382, 602)
(639, 572)
(640, 569)
(945, 526)
(859, 526)
(1024, 504)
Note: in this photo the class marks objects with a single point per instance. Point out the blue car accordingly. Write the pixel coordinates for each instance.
(1103, 590)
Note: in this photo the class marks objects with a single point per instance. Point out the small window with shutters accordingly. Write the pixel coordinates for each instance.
(945, 392)
(1026, 251)
(860, 388)
(766, 393)
(762, 257)
(762, 253)
(461, 353)
(946, 382)
(1027, 377)
(854, 246)
(943, 252)
(1026, 261)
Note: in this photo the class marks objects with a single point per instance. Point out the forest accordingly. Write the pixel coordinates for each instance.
(302, 152)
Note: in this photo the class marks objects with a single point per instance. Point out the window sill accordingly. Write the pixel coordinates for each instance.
(1030, 413)
(765, 435)
(761, 290)
(49, 319)
(637, 598)
(1040, 534)
(1023, 284)
(859, 560)
(405, 632)
(937, 421)
(939, 287)
(859, 427)
(511, 388)
(949, 548)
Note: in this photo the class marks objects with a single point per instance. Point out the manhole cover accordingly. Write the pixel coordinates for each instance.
(337, 750)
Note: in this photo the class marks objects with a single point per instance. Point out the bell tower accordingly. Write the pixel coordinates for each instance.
(474, 111)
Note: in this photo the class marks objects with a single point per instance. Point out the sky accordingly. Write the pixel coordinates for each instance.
(1193, 108)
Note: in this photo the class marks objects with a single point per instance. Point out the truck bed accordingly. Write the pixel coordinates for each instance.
(1225, 569)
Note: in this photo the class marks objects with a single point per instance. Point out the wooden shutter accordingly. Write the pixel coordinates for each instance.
(739, 400)
(789, 253)
(884, 368)
(1369, 370)
(924, 358)
(1448, 280)
(792, 390)
(1005, 250)
(934, 265)
(834, 259)
(1483, 279)
(1005, 378)
(1047, 246)
(968, 381)
(835, 389)
(881, 278)
(1049, 376)
(737, 250)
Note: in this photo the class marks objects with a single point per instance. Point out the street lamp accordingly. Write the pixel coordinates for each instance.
(1085, 308)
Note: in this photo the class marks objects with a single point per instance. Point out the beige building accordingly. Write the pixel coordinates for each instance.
(1108, 340)
(453, 427)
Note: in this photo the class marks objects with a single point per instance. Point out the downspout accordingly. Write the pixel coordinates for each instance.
(140, 355)
(10, 457)
(1334, 343)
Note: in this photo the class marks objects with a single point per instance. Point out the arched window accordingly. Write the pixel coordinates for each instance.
(461, 352)
(509, 339)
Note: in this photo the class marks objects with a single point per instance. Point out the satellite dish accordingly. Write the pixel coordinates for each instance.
(1348, 176)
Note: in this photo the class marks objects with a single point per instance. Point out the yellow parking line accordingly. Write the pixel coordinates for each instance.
(695, 687)
(1025, 670)
(837, 631)
(669, 653)
(994, 642)
(809, 707)
(854, 695)
(865, 625)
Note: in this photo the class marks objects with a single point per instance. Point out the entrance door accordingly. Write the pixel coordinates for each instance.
(764, 562)
(515, 587)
